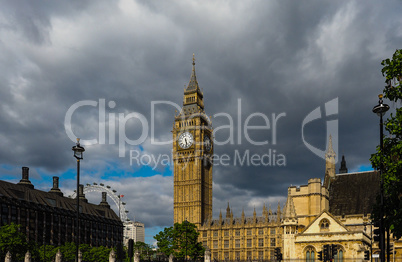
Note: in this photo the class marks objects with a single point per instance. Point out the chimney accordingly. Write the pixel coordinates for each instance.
(55, 189)
(104, 201)
(81, 194)
(25, 178)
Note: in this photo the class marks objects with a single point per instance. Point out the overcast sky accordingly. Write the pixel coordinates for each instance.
(69, 68)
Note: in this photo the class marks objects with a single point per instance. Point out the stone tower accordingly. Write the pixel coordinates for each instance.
(192, 157)
(289, 224)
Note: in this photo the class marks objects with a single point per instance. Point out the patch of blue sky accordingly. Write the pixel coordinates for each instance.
(148, 171)
(150, 233)
(362, 168)
(7, 167)
(113, 170)
(10, 173)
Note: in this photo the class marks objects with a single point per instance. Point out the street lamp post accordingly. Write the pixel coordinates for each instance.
(78, 154)
(380, 110)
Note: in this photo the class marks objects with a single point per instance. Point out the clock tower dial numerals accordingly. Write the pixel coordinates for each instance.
(186, 140)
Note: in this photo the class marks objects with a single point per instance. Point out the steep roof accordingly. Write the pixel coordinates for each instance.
(193, 83)
(353, 193)
(289, 210)
(23, 195)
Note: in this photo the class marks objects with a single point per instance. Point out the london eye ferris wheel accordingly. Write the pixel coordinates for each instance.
(116, 198)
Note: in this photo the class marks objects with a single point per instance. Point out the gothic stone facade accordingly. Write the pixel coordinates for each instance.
(243, 238)
(335, 211)
(229, 238)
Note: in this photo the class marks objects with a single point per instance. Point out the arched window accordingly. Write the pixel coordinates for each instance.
(310, 254)
(324, 225)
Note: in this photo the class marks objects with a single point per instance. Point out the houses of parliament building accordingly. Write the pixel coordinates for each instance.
(335, 211)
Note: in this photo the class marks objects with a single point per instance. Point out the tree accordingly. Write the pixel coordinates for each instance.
(181, 240)
(11, 239)
(48, 251)
(391, 154)
(68, 251)
(145, 249)
(97, 254)
(186, 241)
(85, 250)
(165, 241)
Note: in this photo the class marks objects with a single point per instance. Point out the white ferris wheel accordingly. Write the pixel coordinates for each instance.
(112, 194)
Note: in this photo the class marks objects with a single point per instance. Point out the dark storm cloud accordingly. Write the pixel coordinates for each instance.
(275, 56)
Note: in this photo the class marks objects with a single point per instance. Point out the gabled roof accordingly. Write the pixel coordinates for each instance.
(353, 193)
(335, 224)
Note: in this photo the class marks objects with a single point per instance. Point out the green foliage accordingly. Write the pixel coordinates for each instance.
(186, 241)
(98, 254)
(146, 250)
(392, 71)
(181, 240)
(68, 251)
(14, 241)
(165, 241)
(85, 250)
(391, 156)
(48, 251)
(89, 254)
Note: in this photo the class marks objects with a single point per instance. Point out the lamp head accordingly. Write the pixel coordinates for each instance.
(78, 150)
(381, 108)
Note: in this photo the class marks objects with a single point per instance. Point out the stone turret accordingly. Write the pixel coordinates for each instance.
(343, 169)
(278, 212)
(330, 157)
(228, 211)
(289, 224)
(265, 213)
(289, 212)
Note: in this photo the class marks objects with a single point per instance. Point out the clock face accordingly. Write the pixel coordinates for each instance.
(207, 143)
(185, 140)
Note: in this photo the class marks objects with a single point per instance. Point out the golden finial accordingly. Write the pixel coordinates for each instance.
(380, 96)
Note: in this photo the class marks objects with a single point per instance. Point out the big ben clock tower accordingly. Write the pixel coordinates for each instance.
(192, 157)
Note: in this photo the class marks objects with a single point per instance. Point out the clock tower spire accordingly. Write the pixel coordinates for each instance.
(192, 157)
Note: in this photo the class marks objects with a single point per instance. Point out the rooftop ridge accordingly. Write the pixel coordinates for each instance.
(352, 173)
